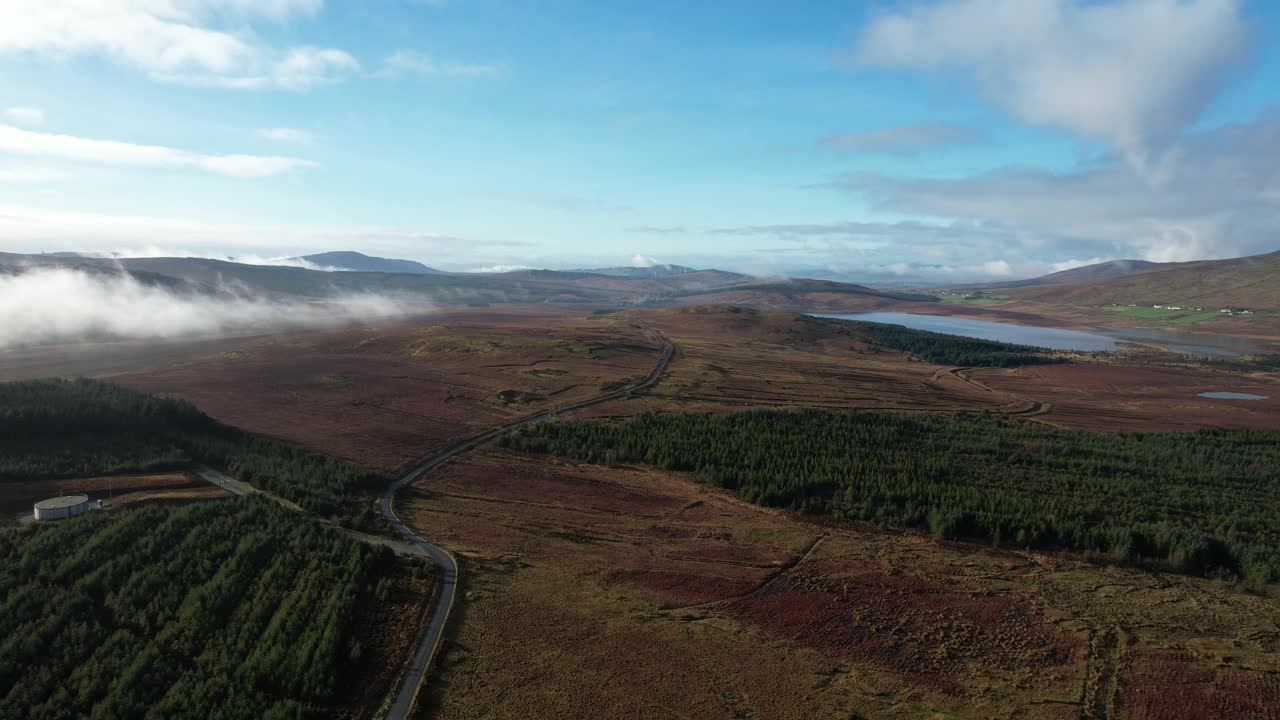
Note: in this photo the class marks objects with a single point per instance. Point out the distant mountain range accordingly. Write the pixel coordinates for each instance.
(359, 262)
(664, 285)
(649, 271)
(1251, 282)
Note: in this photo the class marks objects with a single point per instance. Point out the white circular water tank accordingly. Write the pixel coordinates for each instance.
(62, 507)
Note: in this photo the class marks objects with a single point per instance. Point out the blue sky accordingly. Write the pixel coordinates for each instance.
(944, 139)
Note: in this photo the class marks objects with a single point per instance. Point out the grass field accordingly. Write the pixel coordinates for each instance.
(974, 299)
(1157, 317)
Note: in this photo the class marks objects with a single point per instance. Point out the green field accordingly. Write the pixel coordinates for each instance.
(974, 299)
(1160, 316)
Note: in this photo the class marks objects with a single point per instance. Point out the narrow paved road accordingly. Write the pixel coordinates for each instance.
(407, 694)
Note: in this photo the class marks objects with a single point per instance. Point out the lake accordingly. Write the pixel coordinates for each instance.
(1108, 338)
(1232, 396)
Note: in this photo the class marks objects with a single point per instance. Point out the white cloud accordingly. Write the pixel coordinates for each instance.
(289, 135)
(30, 175)
(25, 115)
(951, 251)
(195, 42)
(26, 142)
(412, 62)
(1213, 202)
(1073, 263)
(300, 68)
(997, 268)
(501, 269)
(154, 251)
(58, 305)
(643, 261)
(904, 139)
(1132, 73)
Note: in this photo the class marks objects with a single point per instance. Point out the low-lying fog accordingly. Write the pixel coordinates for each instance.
(59, 305)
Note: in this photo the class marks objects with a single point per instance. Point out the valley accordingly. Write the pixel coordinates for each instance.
(572, 575)
(491, 360)
(585, 572)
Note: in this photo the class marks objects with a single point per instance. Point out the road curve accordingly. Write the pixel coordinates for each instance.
(406, 695)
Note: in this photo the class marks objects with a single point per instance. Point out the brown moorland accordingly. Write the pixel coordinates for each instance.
(594, 591)
(384, 396)
(1114, 397)
(731, 358)
(737, 357)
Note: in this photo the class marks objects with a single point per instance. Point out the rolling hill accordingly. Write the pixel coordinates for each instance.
(1096, 272)
(802, 295)
(1085, 273)
(1252, 282)
(350, 260)
(526, 286)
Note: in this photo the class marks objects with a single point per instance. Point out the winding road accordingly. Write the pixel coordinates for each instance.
(406, 695)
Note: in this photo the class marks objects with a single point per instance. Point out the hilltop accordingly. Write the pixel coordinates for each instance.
(351, 260)
(648, 271)
(803, 295)
(1238, 282)
(1085, 273)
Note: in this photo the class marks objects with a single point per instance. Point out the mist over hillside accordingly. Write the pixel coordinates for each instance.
(47, 305)
(359, 262)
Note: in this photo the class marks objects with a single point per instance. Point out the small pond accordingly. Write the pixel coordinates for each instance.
(1232, 396)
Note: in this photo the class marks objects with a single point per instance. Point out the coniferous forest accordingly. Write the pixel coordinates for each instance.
(78, 428)
(236, 608)
(944, 349)
(1204, 503)
(229, 609)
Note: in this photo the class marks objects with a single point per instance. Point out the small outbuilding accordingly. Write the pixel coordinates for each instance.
(62, 507)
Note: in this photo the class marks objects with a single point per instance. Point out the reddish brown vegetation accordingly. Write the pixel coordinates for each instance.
(602, 568)
(730, 359)
(1165, 685)
(680, 588)
(911, 626)
(384, 396)
(1119, 398)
